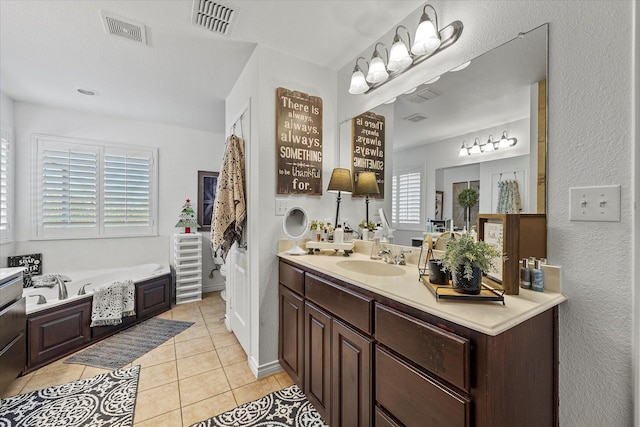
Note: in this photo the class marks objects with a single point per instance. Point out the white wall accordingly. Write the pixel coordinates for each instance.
(182, 152)
(590, 100)
(266, 71)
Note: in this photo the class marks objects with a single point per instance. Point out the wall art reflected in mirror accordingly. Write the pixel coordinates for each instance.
(482, 123)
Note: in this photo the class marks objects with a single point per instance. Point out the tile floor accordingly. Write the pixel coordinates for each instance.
(196, 375)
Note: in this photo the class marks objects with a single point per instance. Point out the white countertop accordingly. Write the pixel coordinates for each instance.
(7, 272)
(491, 318)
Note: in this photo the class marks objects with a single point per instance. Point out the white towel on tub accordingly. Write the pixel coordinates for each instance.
(112, 301)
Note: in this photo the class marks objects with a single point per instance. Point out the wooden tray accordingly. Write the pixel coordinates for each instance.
(487, 293)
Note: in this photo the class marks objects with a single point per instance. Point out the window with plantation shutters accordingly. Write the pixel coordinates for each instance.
(6, 179)
(406, 200)
(87, 189)
(127, 190)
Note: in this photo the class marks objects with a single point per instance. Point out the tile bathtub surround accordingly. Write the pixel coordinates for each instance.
(194, 376)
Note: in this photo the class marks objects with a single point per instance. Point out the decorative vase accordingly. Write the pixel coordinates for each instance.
(437, 275)
(464, 285)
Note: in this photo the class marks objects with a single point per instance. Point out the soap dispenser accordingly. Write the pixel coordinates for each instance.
(375, 249)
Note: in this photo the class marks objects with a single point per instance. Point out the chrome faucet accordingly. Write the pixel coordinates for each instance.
(83, 290)
(387, 256)
(41, 298)
(62, 288)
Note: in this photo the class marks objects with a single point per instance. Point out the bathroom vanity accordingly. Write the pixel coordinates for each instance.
(13, 320)
(378, 350)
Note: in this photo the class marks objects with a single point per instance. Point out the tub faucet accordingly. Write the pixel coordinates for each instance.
(82, 290)
(62, 288)
(41, 298)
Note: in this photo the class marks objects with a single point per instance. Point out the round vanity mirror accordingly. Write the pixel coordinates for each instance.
(295, 225)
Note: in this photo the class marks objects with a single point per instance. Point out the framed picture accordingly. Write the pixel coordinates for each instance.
(439, 201)
(207, 188)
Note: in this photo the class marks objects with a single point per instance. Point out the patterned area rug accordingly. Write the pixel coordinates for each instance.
(126, 346)
(286, 407)
(106, 400)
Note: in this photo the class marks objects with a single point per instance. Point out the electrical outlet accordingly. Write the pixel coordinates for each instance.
(595, 203)
(281, 206)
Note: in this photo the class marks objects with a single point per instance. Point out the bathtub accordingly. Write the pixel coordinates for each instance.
(89, 279)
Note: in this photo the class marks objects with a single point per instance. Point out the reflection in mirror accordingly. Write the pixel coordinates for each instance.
(503, 90)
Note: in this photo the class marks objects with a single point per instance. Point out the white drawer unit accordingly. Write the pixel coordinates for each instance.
(187, 259)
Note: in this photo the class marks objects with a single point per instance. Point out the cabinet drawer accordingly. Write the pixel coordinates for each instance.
(292, 277)
(384, 420)
(13, 359)
(349, 306)
(440, 352)
(13, 321)
(415, 399)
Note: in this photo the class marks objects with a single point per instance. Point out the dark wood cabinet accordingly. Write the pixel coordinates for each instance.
(291, 332)
(317, 359)
(13, 344)
(153, 297)
(352, 365)
(371, 360)
(58, 332)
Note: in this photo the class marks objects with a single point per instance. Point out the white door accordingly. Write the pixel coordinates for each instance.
(239, 301)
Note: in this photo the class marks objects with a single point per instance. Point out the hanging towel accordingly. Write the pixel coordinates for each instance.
(509, 197)
(111, 302)
(230, 209)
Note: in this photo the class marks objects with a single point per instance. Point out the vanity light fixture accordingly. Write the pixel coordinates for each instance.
(358, 82)
(490, 145)
(463, 151)
(506, 142)
(428, 41)
(367, 185)
(399, 57)
(340, 182)
(377, 69)
(475, 148)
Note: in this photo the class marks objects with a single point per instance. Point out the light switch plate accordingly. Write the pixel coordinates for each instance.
(595, 203)
(281, 206)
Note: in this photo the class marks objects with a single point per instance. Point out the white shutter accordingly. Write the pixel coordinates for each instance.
(406, 198)
(5, 187)
(68, 189)
(87, 189)
(126, 190)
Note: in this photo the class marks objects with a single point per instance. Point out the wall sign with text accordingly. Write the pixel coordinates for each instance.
(368, 147)
(298, 143)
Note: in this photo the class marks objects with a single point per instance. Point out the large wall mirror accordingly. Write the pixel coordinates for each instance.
(503, 90)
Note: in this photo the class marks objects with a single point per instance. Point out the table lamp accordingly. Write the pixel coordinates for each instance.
(367, 185)
(340, 182)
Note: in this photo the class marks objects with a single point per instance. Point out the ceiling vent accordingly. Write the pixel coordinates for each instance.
(423, 95)
(417, 117)
(214, 16)
(123, 27)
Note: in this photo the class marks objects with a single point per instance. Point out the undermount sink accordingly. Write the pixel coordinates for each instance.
(373, 268)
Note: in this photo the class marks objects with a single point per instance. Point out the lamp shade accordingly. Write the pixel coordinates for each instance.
(427, 40)
(358, 83)
(399, 58)
(377, 70)
(367, 183)
(340, 181)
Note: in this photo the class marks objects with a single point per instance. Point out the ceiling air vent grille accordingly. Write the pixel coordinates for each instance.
(123, 27)
(423, 95)
(214, 16)
(417, 117)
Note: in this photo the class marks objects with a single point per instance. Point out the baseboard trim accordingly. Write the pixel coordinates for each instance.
(213, 288)
(265, 370)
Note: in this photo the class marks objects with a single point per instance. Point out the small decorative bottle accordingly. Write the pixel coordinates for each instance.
(525, 274)
(537, 277)
(375, 249)
(338, 235)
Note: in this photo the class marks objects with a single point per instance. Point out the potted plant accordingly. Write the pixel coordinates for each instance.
(467, 198)
(366, 229)
(467, 259)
